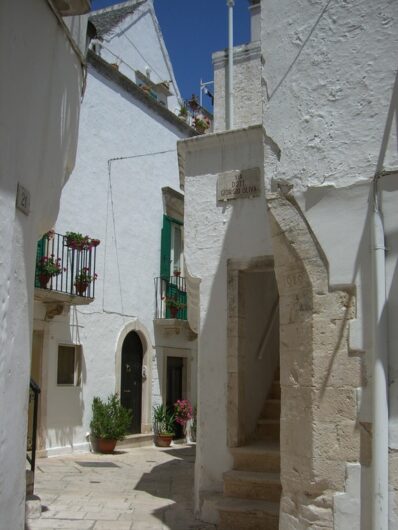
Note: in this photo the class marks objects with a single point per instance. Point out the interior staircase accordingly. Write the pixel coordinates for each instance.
(252, 489)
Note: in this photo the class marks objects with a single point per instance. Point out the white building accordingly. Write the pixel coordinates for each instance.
(120, 337)
(42, 68)
(299, 200)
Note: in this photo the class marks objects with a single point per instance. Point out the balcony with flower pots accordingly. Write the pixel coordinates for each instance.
(65, 269)
(171, 305)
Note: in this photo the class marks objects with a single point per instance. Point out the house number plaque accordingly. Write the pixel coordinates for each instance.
(23, 199)
(239, 184)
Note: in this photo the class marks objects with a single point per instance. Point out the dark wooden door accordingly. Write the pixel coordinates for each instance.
(131, 379)
(175, 367)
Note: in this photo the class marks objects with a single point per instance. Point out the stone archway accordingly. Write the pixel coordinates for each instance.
(319, 374)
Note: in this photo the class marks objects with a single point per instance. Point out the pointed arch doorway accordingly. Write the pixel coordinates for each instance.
(131, 378)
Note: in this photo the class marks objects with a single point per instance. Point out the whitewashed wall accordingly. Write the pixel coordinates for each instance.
(39, 101)
(329, 73)
(215, 232)
(120, 203)
(138, 41)
(330, 95)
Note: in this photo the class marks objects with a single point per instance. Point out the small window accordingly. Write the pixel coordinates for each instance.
(68, 370)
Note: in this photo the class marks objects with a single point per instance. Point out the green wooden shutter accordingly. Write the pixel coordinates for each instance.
(165, 250)
(40, 252)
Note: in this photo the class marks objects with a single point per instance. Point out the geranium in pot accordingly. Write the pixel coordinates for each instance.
(77, 241)
(174, 305)
(46, 268)
(83, 280)
(163, 425)
(110, 422)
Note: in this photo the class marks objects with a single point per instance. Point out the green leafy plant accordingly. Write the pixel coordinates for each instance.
(110, 419)
(78, 241)
(183, 111)
(201, 125)
(85, 277)
(163, 420)
(172, 301)
(48, 266)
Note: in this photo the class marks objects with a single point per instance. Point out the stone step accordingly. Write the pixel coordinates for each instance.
(275, 390)
(268, 429)
(271, 409)
(257, 456)
(136, 440)
(247, 514)
(253, 485)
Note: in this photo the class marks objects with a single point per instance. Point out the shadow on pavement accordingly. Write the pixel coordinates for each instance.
(174, 481)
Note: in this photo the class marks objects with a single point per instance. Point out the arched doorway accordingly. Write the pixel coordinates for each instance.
(131, 378)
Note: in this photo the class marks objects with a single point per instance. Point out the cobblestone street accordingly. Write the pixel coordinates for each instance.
(144, 488)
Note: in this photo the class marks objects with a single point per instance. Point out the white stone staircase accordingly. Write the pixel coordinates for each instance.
(252, 489)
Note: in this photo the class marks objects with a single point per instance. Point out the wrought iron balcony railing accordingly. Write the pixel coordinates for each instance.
(171, 298)
(65, 265)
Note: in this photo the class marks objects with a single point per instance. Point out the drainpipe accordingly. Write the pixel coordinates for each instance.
(379, 494)
(230, 105)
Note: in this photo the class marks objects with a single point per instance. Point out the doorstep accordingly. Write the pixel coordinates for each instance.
(136, 440)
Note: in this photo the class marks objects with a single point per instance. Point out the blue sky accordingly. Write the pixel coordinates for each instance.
(193, 30)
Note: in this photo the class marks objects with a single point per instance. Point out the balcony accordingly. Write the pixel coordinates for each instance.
(170, 298)
(171, 307)
(65, 268)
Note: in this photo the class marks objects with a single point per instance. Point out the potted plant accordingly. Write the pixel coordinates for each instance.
(183, 114)
(174, 305)
(110, 422)
(83, 280)
(177, 272)
(46, 268)
(200, 125)
(163, 425)
(183, 413)
(77, 241)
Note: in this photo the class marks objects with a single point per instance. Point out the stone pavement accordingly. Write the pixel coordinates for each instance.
(145, 488)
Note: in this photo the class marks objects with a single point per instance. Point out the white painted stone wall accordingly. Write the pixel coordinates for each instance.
(126, 154)
(247, 86)
(39, 100)
(138, 41)
(214, 233)
(330, 94)
(328, 78)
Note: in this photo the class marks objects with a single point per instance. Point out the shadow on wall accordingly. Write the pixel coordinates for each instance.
(246, 236)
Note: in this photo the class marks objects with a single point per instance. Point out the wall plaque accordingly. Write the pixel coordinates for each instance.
(23, 199)
(239, 184)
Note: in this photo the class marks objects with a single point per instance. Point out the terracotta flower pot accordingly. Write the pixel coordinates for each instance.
(163, 440)
(173, 311)
(44, 279)
(103, 445)
(81, 287)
